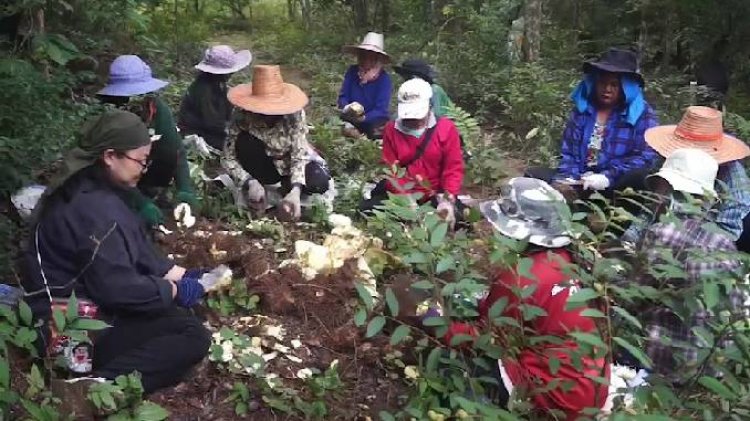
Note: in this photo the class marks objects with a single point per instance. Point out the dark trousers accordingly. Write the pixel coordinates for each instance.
(162, 348)
(743, 243)
(252, 156)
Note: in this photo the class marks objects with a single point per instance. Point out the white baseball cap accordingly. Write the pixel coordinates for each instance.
(414, 99)
(691, 171)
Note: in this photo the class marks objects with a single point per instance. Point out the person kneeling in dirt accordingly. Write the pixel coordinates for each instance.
(693, 253)
(129, 77)
(88, 241)
(428, 148)
(366, 92)
(603, 145)
(531, 210)
(268, 143)
(205, 110)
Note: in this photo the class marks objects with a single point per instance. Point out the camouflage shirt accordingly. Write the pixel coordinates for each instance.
(285, 141)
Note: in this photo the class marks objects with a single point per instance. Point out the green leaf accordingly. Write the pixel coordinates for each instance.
(386, 416)
(580, 298)
(592, 312)
(4, 374)
(360, 317)
(424, 284)
(459, 339)
(392, 301)
(375, 326)
(72, 309)
(634, 351)
(554, 365)
(523, 268)
(710, 294)
(88, 324)
(24, 312)
(445, 264)
(628, 317)
(149, 411)
(59, 319)
(717, 387)
(497, 307)
(433, 359)
(400, 334)
(364, 295)
(588, 338)
(438, 235)
(434, 321)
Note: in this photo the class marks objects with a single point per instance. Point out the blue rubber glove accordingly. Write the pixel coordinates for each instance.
(189, 292)
(195, 273)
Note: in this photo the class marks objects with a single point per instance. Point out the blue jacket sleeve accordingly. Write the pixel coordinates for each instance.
(570, 162)
(641, 154)
(345, 92)
(382, 99)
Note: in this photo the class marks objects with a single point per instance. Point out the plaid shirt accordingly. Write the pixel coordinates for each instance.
(701, 254)
(285, 141)
(734, 188)
(623, 149)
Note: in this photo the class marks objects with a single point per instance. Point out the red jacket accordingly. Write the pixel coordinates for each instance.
(531, 367)
(442, 165)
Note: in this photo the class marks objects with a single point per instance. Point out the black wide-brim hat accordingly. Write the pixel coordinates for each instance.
(616, 60)
(416, 67)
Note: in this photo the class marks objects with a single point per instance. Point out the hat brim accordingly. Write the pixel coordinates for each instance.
(680, 183)
(521, 229)
(242, 58)
(354, 49)
(291, 100)
(592, 66)
(133, 88)
(416, 110)
(664, 141)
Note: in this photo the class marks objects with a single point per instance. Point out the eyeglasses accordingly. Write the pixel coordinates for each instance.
(144, 163)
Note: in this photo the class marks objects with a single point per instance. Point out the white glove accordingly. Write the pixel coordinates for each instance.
(447, 211)
(183, 215)
(290, 206)
(593, 181)
(216, 279)
(255, 194)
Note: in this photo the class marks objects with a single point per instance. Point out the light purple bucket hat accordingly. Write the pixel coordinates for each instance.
(222, 60)
(129, 76)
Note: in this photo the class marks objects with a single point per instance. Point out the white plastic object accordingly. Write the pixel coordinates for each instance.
(26, 199)
(218, 278)
(183, 215)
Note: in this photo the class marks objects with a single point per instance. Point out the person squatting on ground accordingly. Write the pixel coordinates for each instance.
(418, 68)
(702, 128)
(427, 148)
(681, 234)
(131, 87)
(268, 142)
(530, 209)
(205, 110)
(603, 145)
(87, 240)
(365, 94)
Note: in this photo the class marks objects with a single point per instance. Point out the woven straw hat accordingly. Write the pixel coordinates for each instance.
(373, 41)
(700, 128)
(268, 94)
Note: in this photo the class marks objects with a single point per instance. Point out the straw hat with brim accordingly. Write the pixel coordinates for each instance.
(616, 60)
(373, 41)
(689, 170)
(268, 94)
(130, 76)
(529, 209)
(700, 128)
(223, 60)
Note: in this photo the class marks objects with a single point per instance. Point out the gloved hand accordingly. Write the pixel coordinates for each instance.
(151, 214)
(189, 292)
(255, 194)
(195, 273)
(594, 181)
(354, 111)
(446, 210)
(290, 206)
(187, 197)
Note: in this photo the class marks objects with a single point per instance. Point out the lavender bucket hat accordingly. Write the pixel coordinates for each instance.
(129, 76)
(223, 60)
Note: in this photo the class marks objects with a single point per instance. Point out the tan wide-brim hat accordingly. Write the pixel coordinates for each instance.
(373, 41)
(700, 128)
(268, 94)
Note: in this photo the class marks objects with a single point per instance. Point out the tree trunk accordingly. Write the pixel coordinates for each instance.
(360, 13)
(306, 9)
(291, 9)
(384, 14)
(533, 30)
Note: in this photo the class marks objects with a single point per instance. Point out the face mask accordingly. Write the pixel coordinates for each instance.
(413, 132)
